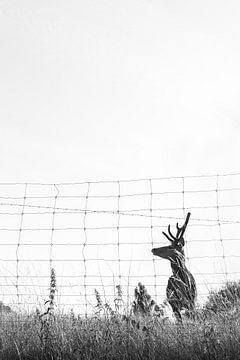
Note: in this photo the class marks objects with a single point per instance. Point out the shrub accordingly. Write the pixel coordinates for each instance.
(225, 299)
(143, 303)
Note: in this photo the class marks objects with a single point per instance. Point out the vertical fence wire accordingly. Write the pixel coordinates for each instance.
(184, 215)
(118, 233)
(53, 229)
(83, 249)
(152, 239)
(220, 229)
(19, 243)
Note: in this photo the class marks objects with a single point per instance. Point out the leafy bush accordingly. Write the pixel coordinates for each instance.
(143, 303)
(225, 299)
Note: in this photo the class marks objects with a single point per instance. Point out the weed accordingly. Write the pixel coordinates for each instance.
(47, 320)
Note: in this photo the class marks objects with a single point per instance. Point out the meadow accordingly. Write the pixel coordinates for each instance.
(142, 333)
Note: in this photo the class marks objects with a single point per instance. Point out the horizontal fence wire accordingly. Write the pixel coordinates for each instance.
(100, 235)
(116, 260)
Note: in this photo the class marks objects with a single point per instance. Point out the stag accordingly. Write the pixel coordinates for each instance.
(181, 287)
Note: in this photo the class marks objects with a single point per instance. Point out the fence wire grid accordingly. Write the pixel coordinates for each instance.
(98, 235)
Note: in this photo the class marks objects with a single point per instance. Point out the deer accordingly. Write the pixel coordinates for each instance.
(181, 288)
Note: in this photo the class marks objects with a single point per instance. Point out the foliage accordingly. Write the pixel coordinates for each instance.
(46, 320)
(105, 308)
(143, 303)
(224, 300)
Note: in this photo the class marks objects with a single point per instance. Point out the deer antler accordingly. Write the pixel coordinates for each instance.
(180, 231)
(170, 237)
(183, 228)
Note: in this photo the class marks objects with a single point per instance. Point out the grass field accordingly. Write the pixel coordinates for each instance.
(105, 337)
(213, 334)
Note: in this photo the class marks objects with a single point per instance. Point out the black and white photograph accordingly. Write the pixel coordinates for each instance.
(120, 180)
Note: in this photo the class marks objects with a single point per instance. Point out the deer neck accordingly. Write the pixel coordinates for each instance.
(178, 265)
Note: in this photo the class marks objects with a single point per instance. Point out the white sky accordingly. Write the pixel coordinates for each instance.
(106, 90)
(95, 90)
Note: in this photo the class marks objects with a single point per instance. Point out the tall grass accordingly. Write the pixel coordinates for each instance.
(73, 337)
(110, 334)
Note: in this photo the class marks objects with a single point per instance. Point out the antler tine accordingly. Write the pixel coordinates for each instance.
(167, 236)
(172, 236)
(181, 230)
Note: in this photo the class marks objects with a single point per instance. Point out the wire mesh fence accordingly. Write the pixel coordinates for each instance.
(98, 235)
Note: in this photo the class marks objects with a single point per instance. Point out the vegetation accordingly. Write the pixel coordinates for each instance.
(113, 333)
(143, 304)
(227, 299)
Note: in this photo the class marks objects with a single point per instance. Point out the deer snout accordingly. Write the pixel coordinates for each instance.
(154, 251)
(163, 252)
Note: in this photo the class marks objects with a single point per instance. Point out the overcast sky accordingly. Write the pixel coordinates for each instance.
(94, 90)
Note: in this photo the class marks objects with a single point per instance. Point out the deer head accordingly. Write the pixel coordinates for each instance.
(175, 250)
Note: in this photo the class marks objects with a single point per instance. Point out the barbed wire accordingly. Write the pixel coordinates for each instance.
(125, 213)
